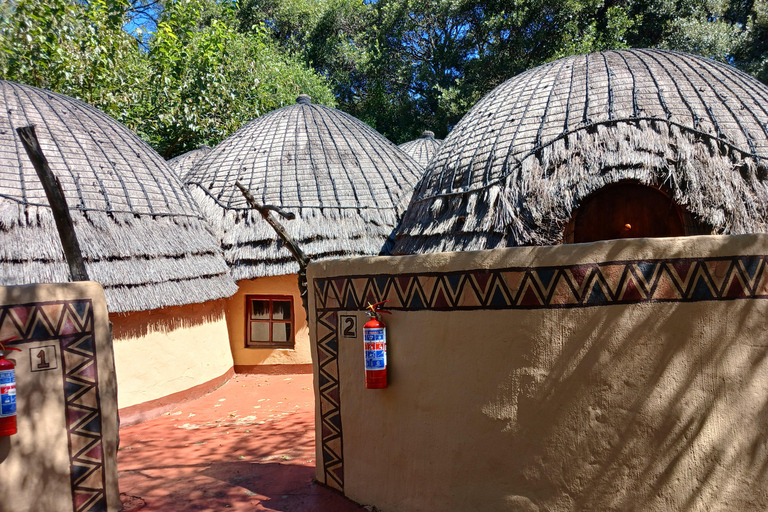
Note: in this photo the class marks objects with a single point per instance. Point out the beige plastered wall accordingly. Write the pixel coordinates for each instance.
(35, 463)
(646, 407)
(236, 311)
(169, 350)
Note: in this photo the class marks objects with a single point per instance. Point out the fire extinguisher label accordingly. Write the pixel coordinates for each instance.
(375, 349)
(7, 393)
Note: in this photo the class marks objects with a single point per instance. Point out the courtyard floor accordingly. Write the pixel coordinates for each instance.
(248, 446)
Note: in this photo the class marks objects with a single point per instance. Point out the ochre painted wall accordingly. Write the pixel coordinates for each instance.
(620, 375)
(165, 351)
(236, 311)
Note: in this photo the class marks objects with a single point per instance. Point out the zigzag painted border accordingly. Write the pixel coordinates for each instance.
(571, 286)
(71, 324)
(599, 284)
(330, 404)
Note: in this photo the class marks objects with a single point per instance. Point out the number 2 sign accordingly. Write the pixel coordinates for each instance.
(348, 326)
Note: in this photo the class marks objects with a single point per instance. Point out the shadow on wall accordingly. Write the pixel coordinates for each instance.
(165, 320)
(38, 461)
(640, 408)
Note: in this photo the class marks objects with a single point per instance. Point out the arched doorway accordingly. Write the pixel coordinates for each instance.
(626, 210)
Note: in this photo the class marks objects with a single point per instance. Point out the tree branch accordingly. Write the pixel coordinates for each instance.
(58, 203)
(289, 242)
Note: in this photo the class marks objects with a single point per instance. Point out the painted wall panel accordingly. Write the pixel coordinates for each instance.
(64, 456)
(617, 375)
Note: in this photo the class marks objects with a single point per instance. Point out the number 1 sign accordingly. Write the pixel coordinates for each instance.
(43, 358)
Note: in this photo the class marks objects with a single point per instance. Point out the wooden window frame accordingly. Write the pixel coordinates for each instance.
(290, 344)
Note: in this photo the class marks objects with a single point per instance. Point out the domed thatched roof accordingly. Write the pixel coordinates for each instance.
(183, 163)
(515, 168)
(422, 149)
(140, 232)
(346, 184)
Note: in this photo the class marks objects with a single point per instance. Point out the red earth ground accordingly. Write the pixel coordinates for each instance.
(248, 446)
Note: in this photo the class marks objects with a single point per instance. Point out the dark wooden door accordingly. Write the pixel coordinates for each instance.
(627, 210)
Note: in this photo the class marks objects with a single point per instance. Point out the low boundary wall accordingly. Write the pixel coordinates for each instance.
(620, 375)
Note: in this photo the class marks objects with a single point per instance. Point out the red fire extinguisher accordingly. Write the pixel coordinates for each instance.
(7, 393)
(375, 337)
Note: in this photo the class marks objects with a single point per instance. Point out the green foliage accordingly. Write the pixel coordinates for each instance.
(420, 53)
(209, 79)
(193, 71)
(752, 54)
(328, 35)
(289, 22)
(74, 48)
(194, 81)
(336, 48)
(431, 61)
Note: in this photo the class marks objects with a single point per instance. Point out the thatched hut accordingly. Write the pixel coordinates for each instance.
(140, 231)
(183, 163)
(344, 182)
(422, 149)
(684, 138)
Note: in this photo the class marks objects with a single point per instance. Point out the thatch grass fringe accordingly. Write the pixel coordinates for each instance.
(252, 250)
(127, 236)
(14, 272)
(523, 158)
(138, 271)
(717, 184)
(119, 250)
(167, 293)
(122, 297)
(32, 234)
(128, 272)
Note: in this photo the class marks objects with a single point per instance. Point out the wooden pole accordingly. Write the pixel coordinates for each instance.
(58, 203)
(289, 242)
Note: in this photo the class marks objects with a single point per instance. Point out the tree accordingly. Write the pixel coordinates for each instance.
(421, 50)
(751, 54)
(336, 48)
(209, 79)
(187, 72)
(432, 61)
(78, 49)
(194, 80)
(330, 36)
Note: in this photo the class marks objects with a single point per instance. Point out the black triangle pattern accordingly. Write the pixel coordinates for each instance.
(328, 382)
(80, 387)
(588, 285)
(81, 374)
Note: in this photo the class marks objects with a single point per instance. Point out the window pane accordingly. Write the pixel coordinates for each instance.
(260, 309)
(260, 331)
(281, 309)
(281, 332)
